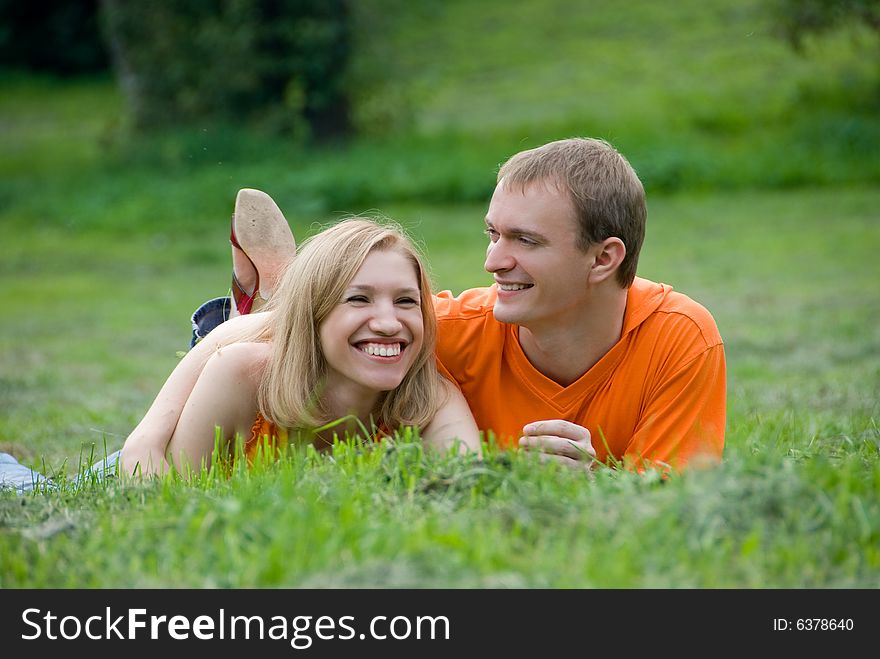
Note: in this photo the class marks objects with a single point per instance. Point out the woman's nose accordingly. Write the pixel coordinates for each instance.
(385, 321)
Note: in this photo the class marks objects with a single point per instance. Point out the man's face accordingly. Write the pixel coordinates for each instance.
(541, 274)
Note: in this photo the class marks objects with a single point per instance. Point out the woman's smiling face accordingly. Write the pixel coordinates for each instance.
(375, 333)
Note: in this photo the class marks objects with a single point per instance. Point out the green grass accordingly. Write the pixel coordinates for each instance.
(762, 205)
(91, 327)
(395, 518)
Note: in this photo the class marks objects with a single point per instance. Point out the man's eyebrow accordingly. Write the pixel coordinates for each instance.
(520, 233)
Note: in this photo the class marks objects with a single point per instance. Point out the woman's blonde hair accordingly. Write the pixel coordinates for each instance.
(291, 388)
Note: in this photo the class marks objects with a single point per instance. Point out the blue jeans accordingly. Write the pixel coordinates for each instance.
(15, 476)
(208, 316)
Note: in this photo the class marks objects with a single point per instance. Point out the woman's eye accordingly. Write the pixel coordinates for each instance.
(408, 301)
(362, 299)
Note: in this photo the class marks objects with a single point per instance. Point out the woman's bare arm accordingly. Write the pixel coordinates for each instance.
(453, 422)
(144, 449)
(224, 396)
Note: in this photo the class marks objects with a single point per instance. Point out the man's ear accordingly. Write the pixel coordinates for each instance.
(609, 255)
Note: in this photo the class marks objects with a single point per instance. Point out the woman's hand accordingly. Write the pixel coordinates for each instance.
(138, 462)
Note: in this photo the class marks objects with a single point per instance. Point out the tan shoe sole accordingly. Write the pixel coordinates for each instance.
(264, 235)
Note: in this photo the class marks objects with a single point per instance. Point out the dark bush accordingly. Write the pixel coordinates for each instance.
(797, 18)
(280, 64)
(52, 36)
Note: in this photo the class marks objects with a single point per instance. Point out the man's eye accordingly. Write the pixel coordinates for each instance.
(493, 235)
(527, 242)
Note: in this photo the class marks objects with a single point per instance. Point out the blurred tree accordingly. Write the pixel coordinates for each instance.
(857, 87)
(279, 63)
(798, 18)
(52, 36)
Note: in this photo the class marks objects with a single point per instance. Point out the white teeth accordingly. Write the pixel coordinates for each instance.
(382, 349)
(512, 287)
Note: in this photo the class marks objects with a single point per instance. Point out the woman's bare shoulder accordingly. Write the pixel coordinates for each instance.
(233, 328)
(240, 362)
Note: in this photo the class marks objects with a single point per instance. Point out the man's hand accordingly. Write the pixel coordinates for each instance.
(561, 441)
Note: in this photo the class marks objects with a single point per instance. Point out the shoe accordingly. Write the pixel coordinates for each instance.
(261, 233)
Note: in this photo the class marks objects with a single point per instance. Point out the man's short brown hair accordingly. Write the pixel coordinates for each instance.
(606, 193)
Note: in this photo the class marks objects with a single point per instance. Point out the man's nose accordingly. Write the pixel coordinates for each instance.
(498, 258)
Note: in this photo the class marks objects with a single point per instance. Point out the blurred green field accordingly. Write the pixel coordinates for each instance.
(762, 175)
(698, 95)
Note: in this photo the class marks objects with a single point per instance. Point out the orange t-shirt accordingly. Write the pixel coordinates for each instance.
(267, 436)
(658, 396)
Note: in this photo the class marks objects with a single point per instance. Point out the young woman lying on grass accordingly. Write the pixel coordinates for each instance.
(349, 344)
(352, 336)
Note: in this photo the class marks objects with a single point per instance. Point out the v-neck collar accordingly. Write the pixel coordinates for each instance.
(643, 297)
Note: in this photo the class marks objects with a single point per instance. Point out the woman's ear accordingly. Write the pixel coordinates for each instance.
(609, 254)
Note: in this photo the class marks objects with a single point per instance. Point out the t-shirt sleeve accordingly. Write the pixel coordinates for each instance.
(684, 420)
(460, 321)
(444, 304)
(441, 368)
